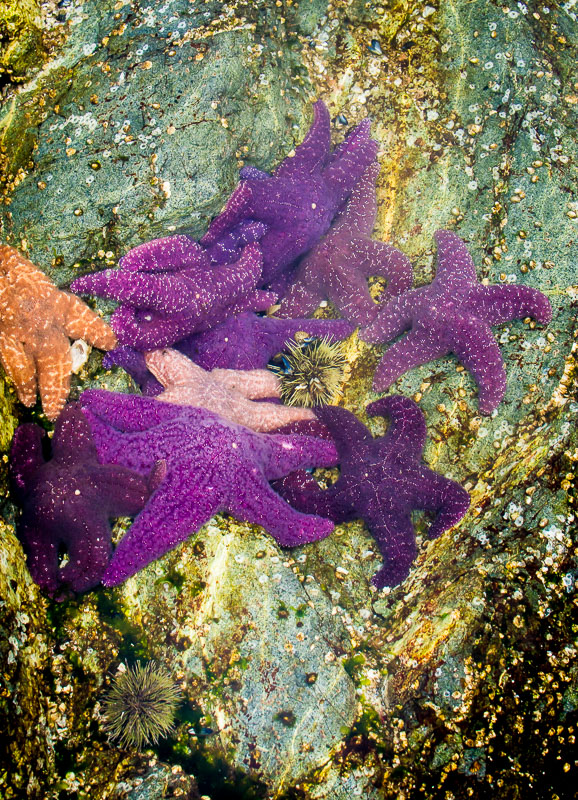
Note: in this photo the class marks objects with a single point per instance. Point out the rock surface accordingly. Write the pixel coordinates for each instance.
(299, 680)
(21, 39)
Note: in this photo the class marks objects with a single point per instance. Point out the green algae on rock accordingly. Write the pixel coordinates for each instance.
(114, 169)
(21, 46)
(24, 693)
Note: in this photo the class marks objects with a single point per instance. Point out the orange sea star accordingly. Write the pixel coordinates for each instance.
(36, 322)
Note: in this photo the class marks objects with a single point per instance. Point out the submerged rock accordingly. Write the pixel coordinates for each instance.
(295, 672)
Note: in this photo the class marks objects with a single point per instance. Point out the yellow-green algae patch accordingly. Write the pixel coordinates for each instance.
(20, 37)
(7, 420)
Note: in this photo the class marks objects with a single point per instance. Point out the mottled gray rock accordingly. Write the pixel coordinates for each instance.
(257, 652)
(146, 117)
(158, 782)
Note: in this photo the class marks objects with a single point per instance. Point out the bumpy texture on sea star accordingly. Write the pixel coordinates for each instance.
(382, 481)
(453, 315)
(337, 268)
(212, 464)
(249, 341)
(168, 289)
(36, 321)
(300, 199)
(67, 503)
(228, 248)
(227, 392)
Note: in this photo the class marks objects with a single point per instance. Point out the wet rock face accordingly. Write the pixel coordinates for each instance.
(254, 655)
(140, 126)
(25, 696)
(461, 682)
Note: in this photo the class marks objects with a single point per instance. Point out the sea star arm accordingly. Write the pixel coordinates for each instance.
(300, 300)
(395, 537)
(184, 501)
(53, 366)
(129, 413)
(497, 304)
(85, 537)
(347, 431)
(446, 498)
(454, 266)
(304, 493)
(349, 161)
(80, 322)
(236, 211)
(148, 330)
(19, 364)
(124, 491)
(379, 258)
(392, 318)
(290, 452)
(349, 291)
(172, 368)
(476, 348)
(227, 248)
(26, 454)
(406, 432)
(282, 206)
(132, 450)
(253, 173)
(41, 545)
(88, 550)
(416, 348)
(72, 443)
(313, 151)
(260, 505)
(252, 383)
(178, 293)
(359, 215)
(164, 255)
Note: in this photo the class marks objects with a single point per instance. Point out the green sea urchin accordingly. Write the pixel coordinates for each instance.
(312, 372)
(140, 707)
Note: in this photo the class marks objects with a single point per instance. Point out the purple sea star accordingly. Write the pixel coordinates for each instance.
(212, 465)
(298, 202)
(229, 247)
(133, 362)
(337, 267)
(227, 392)
(249, 341)
(382, 480)
(67, 503)
(453, 315)
(168, 289)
